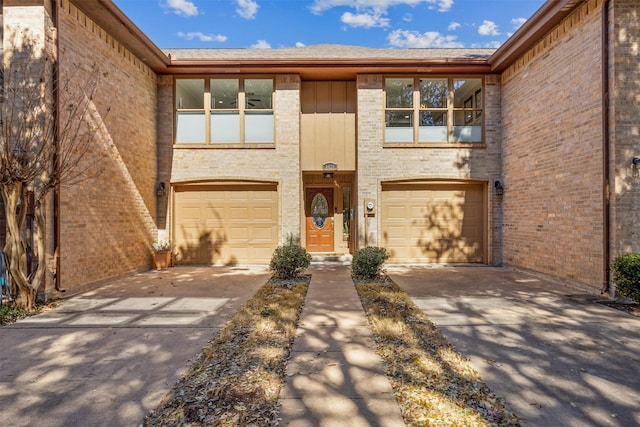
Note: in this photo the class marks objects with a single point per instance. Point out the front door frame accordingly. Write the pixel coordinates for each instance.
(320, 240)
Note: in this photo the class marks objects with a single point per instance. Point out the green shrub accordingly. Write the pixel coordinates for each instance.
(367, 262)
(11, 314)
(626, 276)
(289, 260)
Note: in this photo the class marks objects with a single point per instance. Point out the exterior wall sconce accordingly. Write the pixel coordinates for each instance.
(161, 189)
(636, 162)
(329, 169)
(499, 188)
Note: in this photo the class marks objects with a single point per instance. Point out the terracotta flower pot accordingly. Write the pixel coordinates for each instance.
(162, 259)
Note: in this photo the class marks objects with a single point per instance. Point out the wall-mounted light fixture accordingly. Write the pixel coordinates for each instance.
(636, 161)
(161, 189)
(499, 188)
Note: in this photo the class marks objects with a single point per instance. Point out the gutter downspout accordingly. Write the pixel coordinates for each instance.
(56, 114)
(606, 190)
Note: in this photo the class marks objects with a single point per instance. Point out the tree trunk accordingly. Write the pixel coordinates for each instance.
(15, 247)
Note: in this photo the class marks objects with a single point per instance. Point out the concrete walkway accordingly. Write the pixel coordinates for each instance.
(334, 378)
(106, 357)
(557, 356)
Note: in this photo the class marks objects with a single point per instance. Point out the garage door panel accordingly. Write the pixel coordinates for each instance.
(234, 224)
(263, 235)
(433, 222)
(263, 213)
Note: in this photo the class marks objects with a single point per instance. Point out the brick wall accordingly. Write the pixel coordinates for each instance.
(280, 164)
(552, 149)
(107, 220)
(625, 127)
(377, 163)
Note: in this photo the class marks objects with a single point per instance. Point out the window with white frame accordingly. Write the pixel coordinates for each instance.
(433, 110)
(222, 111)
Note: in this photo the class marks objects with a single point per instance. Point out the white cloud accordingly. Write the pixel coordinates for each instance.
(261, 44)
(453, 26)
(320, 6)
(517, 22)
(488, 28)
(366, 20)
(445, 5)
(247, 8)
(182, 7)
(415, 39)
(372, 13)
(202, 37)
(300, 44)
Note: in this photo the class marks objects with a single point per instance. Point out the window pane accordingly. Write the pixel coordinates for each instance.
(225, 127)
(190, 94)
(399, 126)
(433, 118)
(433, 93)
(433, 126)
(464, 92)
(258, 127)
(396, 119)
(224, 94)
(190, 128)
(399, 93)
(466, 127)
(346, 212)
(258, 94)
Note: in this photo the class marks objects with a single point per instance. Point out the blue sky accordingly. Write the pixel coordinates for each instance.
(289, 23)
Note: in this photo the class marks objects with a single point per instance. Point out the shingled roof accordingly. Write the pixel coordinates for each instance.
(327, 52)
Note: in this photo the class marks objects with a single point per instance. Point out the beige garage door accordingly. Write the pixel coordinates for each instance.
(226, 225)
(433, 222)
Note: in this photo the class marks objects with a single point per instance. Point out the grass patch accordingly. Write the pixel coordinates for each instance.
(10, 314)
(238, 376)
(433, 384)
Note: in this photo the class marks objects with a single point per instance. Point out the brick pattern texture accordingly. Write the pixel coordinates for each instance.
(107, 221)
(552, 150)
(377, 164)
(625, 127)
(279, 164)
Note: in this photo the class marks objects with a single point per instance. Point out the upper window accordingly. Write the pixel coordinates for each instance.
(224, 111)
(433, 110)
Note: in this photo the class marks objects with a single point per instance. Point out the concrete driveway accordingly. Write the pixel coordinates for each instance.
(106, 357)
(556, 355)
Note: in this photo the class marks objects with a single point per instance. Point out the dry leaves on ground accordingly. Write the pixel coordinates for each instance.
(434, 385)
(238, 376)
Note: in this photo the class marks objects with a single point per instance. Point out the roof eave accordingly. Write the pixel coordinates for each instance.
(548, 16)
(309, 68)
(116, 23)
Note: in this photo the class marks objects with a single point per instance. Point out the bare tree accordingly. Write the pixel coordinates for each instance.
(48, 123)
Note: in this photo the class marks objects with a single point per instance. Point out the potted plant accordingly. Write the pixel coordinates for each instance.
(162, 254)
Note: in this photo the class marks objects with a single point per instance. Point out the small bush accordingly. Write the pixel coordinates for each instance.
(626, 276)
(367, 262)
(289, 260)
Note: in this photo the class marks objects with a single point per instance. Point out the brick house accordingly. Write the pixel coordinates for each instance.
(519, 156)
